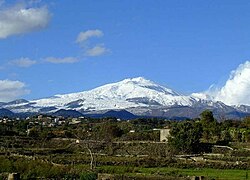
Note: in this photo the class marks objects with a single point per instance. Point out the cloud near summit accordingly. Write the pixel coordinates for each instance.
(236, 90)
(20, 19)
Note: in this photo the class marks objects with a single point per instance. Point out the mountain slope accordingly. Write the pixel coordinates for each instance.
(67, 113)
(138, 96)
(120, 114)
(6, 113)
(121, 95)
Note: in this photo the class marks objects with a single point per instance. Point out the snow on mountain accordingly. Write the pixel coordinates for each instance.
(201, 96)
(144, 96)
(128, 93)
(137, 95)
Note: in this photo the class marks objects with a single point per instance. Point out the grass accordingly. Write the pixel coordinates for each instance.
(74, 163)
(211, 173)
(218, 174)
(36, 168)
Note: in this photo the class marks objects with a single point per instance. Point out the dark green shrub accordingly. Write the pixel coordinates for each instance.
(88, 176)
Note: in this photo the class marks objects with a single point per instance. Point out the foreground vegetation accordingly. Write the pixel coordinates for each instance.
(36, 168)
(83, 148)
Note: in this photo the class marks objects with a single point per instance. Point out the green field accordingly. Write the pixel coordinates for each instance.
(36, 168)
(106, 146)
(211, 173)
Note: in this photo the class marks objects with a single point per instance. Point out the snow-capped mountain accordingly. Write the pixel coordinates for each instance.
(128, 93)
(137, 95)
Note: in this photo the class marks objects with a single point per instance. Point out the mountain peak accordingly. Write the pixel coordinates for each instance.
(140, 80)
(137, 95)
(148, 84)
(131, 92)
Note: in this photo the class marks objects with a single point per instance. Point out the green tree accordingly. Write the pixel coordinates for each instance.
(246, 122)
(207, 116)
(225, 137)
(33, 132)
(185, 137)
(247, 136)
(209, 125)
(109, 131)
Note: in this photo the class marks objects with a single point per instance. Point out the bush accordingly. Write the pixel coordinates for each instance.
(88, 176)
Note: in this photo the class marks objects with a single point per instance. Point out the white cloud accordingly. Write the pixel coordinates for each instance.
(23, 62)
(20, 19)
(96, 51)
(10, 90)
(236, 90)
(84, 36)
(55, 60)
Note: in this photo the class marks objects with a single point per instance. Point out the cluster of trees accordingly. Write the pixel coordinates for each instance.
(189, 136)
(106, 129)
(193, 136)
(11, 128)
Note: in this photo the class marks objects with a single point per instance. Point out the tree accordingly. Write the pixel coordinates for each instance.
(185, 137)
(33, 132)
(207, 117)
(225, 137)
(86, 144)
(209, 125)
(109, 131)
(246, 122)
(247, 136)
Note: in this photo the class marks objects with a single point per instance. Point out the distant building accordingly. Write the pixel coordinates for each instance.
(164, 134)
(75, 121)
(56, 120)
(51, 125)
(40, 117)
(28, 132)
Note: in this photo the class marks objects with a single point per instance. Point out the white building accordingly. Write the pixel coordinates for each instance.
(164, 134)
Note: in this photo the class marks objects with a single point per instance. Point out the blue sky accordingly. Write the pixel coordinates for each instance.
(63, 47)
